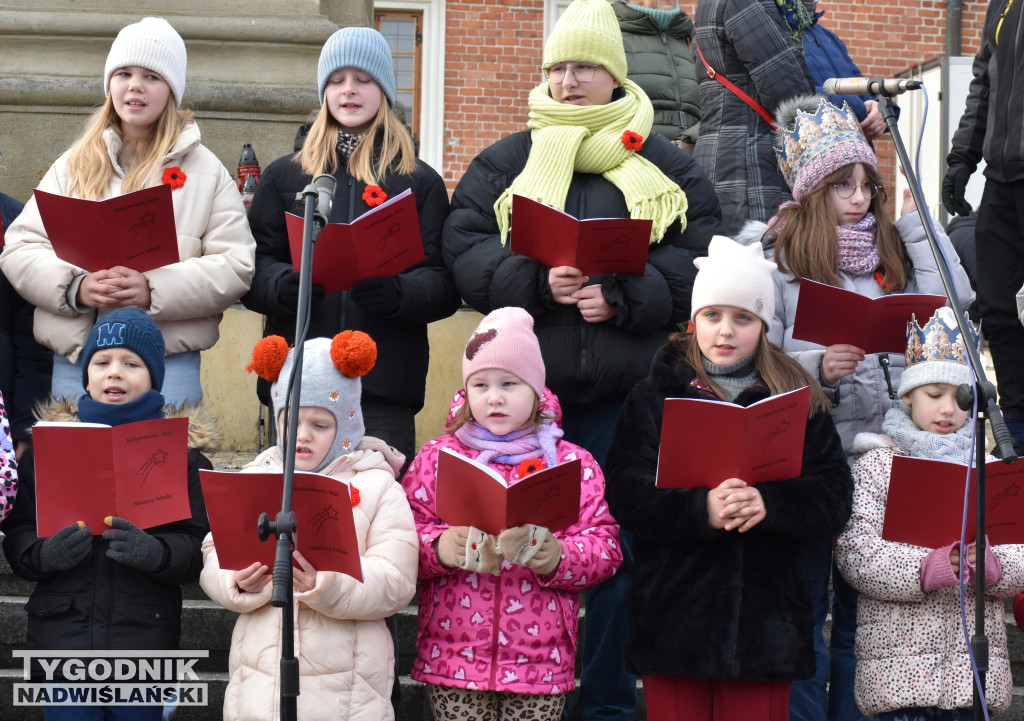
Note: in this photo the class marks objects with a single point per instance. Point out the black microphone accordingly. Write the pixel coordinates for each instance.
(869, 86)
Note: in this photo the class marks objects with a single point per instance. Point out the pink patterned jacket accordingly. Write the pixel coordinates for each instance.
(515, 632)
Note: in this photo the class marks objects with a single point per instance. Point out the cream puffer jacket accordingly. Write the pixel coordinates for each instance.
(345, 653)
(216, 248)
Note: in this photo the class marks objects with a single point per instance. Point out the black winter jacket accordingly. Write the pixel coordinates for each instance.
(585, 362)
(427, 291)
(101, 604)
(711, 603)
(25, 364)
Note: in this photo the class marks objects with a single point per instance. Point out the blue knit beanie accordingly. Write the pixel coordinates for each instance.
(357, 47)
(132, 329)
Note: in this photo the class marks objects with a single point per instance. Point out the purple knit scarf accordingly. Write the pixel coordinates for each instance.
(514, 447)
(858, 252)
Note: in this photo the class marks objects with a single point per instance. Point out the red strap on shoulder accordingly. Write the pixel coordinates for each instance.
(760, 109)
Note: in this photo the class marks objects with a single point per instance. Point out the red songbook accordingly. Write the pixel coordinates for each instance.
(326, 533)
(827, 315)
(593, 246)
(88, 471)
(135, 230)
(926, 502)
(472, 494)
(760, 442)
(380, 242)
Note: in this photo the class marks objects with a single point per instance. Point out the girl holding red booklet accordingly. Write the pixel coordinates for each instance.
(358, 138)
(838, 230)
(343, 647)
(722, 572)
(912, 659)
(139, 138)
(498, 615)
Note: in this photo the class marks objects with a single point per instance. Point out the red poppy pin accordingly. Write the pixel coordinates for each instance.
(174, 177)
(632, 141)
(374, 195)
(530, 465)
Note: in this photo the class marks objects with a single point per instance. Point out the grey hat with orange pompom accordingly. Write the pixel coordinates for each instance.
(331, 368)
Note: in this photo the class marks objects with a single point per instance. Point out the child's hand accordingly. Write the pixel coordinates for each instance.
(531, 546)
(303, 577)
(908, 202)
(129, 287)
(468, 548)
(66, 548)
(132, 546)
(94, 290)
(565, 281)
(254, 578)
(954, 558)
(735, 505)
(840, 360)
(592, 304)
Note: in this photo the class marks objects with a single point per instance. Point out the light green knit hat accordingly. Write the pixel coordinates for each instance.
(588, 30)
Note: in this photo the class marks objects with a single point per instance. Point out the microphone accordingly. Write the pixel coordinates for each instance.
(887, 87)
(324, 186)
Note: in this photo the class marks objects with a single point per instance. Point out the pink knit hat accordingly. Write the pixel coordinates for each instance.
(504, 340)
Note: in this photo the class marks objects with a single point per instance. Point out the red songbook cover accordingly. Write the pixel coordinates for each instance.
(593, 246)
(926, 501)
(760, 442)
(87, 471)
(827, 315)
(381, 242)
(326, 533)
(472, 494)
(135, 230)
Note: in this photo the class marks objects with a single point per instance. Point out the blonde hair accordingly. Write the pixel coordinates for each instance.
(397, 153)
(89, 164)
(779, 371)
(464, 415)
(806, 236)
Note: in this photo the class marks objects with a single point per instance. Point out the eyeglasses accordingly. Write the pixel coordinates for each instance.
(583, 72)
(846, 189)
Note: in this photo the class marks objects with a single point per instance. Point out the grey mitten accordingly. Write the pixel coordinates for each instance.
(531, 546)
(470, 549)
(132, 546)
(66, 548)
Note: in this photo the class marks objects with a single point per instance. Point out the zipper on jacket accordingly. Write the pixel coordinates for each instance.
(675, 80)
(343, 311)
(883, 361)
(496, 632)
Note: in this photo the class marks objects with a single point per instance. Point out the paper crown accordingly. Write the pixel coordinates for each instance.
(815, 139)
(937, 353)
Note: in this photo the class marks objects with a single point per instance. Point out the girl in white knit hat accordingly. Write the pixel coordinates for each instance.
(139, 138)
(721, 622)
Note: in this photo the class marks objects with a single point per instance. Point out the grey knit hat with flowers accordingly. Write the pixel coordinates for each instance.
(357, 47)
(153, 44)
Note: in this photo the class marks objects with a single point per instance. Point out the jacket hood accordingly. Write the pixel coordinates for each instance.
(187, 139)
(634, 21)
(548, 404)
(371, 454)
(202, 425)
(751, 232)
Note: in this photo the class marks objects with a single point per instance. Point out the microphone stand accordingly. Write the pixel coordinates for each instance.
(985, 393)
(285, 524)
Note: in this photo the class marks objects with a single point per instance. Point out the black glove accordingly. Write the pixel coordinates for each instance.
(953, 187)
(66, 548)
(288, 291)
(132, 546)
(378, 295)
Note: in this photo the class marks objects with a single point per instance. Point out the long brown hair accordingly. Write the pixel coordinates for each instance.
(464, 415)
(780, 372)
(396, 154)
(807, 240)
(89, 164)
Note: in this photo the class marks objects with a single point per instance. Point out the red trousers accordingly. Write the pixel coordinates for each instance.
(681, 698)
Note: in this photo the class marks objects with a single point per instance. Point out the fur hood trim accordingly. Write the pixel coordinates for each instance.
(864, 442)
(202, 425)
(786, 112)
(751, 232)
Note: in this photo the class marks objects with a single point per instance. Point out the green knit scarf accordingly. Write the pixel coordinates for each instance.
(588, 139)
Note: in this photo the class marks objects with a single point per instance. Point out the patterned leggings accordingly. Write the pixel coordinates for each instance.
(453, 704)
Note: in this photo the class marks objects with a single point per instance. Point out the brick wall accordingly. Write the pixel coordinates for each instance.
(493, 60)
(494, 52)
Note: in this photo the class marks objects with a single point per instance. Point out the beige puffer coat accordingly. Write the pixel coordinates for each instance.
(345, 653)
